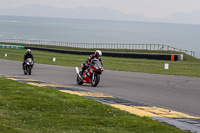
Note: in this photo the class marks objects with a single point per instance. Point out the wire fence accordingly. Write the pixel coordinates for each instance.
(99, 45)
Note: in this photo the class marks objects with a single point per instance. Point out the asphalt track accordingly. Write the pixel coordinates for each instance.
(177, 93)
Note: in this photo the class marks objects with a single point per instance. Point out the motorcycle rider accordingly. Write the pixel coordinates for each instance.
(97, 55)
(27, 55)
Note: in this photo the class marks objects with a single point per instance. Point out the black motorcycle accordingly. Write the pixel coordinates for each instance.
(28, 66)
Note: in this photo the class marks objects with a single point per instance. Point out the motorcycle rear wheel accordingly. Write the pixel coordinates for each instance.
(79, 80)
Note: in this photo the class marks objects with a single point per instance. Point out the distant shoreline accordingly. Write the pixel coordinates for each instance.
(63, 18)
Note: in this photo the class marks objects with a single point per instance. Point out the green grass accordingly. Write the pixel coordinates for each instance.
(186, 57)
(25, 109)
(189, 67)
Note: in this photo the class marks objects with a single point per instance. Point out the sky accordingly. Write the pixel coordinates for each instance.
(149, 8)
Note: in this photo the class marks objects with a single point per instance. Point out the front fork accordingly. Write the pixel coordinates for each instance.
(93, 76)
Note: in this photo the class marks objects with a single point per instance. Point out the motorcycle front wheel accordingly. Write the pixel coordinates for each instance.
(29, 70)
(25, 70)
(95, 80)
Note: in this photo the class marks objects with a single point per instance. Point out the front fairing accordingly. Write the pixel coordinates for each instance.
(96, 65)
(29, 61)
(86, 79)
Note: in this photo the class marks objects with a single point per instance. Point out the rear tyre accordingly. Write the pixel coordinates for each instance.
(79, 80)
(95, 81)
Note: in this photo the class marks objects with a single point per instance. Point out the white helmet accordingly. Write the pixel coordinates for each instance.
(98, 54)
(28, 51)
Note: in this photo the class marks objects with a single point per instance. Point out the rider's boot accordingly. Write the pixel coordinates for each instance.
(82, 71)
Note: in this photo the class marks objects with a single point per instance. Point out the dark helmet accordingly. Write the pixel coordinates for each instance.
(98, 54)
(28, 51)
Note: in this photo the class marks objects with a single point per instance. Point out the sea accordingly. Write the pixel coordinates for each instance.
(182, 36)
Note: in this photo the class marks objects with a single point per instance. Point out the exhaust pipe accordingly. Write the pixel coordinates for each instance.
(77, 70)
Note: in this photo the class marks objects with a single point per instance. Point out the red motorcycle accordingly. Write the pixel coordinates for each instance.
(90, 75)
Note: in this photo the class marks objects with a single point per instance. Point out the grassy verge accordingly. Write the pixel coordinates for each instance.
(25, 108)
(185, 57)
(189, 67)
